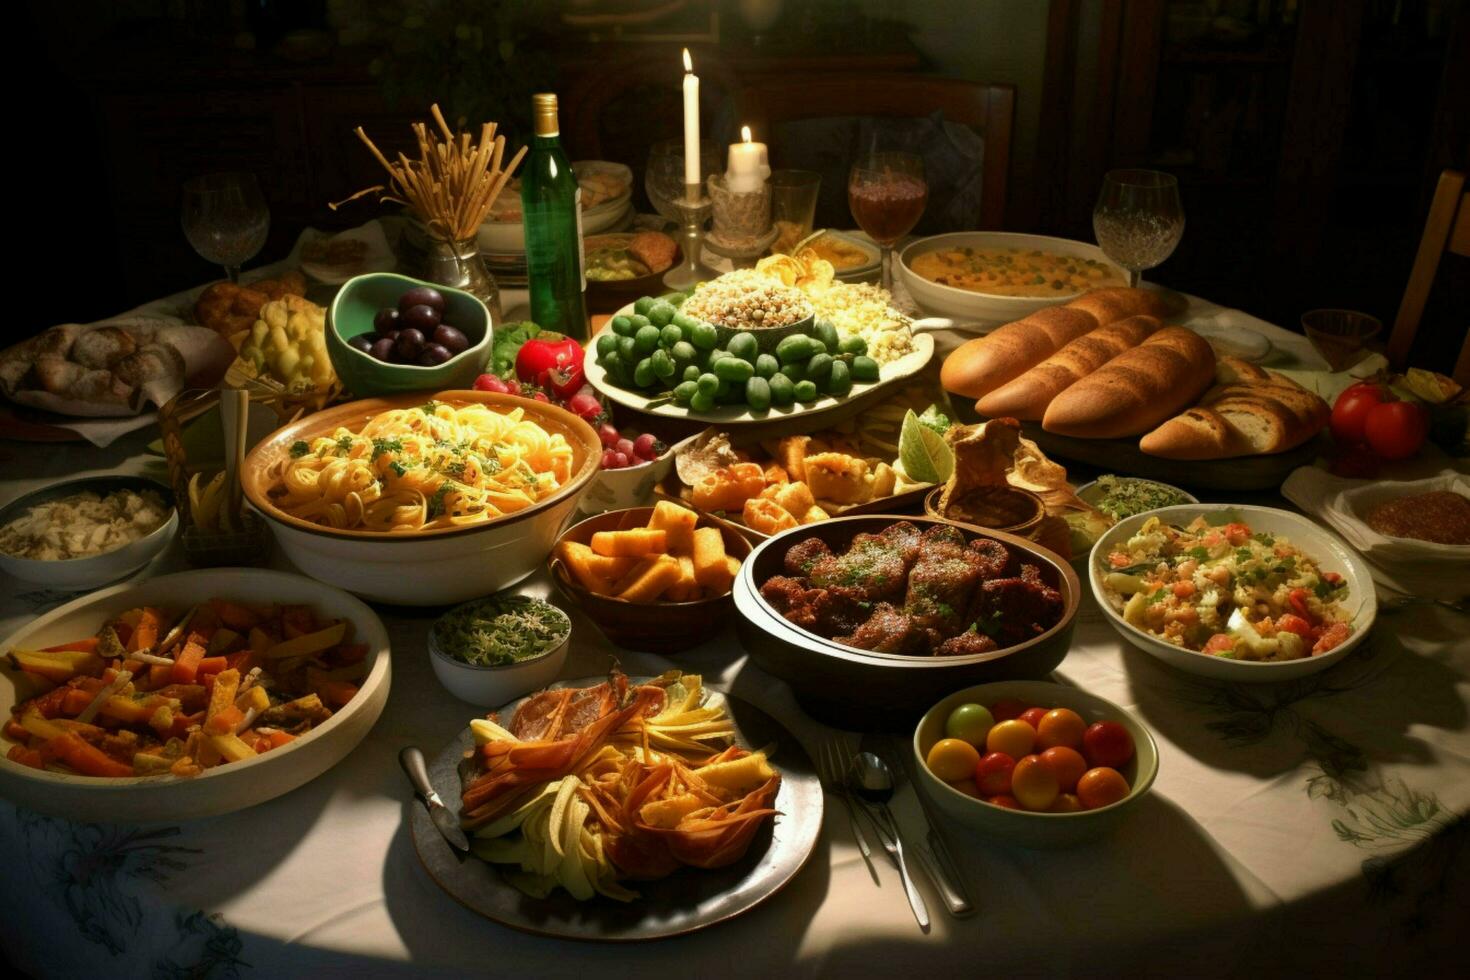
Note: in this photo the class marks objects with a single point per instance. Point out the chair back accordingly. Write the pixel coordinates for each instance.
(1446, 230)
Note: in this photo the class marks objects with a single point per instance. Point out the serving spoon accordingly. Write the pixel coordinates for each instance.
(932, 323)
(872, 780)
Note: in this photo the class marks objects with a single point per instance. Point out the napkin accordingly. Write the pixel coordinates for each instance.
(1420, 568)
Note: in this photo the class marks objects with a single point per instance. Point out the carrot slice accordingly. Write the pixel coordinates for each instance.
(84, 757)
(186, 664)
(26, 756)
(76, 646)
(336, 693)
(224, 721)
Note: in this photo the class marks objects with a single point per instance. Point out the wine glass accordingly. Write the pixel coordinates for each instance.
(887, 193)
(664, 179)
(1138, 219)
(226, 219)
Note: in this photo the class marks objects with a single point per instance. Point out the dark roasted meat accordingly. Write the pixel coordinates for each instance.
(997, 557)
(966, 644)
(905, 537)
(889, 630)
(801, 556)
(943, 537)
(1013, 610)
(942, 588)
(827, 612)
(873, 566)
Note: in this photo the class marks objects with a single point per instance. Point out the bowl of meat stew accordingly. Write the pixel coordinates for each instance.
(873, 618)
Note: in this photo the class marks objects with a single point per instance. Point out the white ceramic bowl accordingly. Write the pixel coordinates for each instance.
(1043, 830)
(491, 686)
(1091, 492)
(76, 574)
(951, 301)
(225, 788)
(425, 568)
(509, 237)
(1315, 542)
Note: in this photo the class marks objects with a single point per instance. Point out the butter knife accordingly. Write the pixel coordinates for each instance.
(412, 761)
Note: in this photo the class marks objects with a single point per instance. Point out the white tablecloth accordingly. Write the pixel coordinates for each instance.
(1314, 826)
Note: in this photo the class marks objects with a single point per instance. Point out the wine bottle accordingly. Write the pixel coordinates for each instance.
(551, 206)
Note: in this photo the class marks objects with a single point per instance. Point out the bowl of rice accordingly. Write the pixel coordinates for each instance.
(80, 534)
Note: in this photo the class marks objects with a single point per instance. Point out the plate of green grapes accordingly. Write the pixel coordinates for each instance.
(672, 357)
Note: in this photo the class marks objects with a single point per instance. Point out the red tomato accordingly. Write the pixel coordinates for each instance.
(1009, 802)
(1396, 430)
(1033, 716)
(1297, 599)
(1007, 708)
(1067, 764)
(1294, 624)
(1331, 637)
(1107, 743)
(1060, 726)
(1351, 409)
(1100, 787)
(993, 773)
(552, 361)
(1219, 643)
(1237, 534)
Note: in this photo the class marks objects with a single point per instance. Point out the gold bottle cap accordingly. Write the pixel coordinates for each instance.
(544, 104)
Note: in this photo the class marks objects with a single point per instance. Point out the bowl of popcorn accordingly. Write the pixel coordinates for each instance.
(748, 301)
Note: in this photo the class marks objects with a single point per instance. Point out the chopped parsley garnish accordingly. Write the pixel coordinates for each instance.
(501, 630)
(398, 468)
(1244, 554)
(989, 625)
(454, 469)
(1158, 596)
(490, 466)
(1325, 589)
(436, 502)
(381, 446)
(1263, 538)
(1198, 553)
(344, 445)
(299, 448)
(429, 407)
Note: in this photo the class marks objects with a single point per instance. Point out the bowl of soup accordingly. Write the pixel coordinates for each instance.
(998, 277)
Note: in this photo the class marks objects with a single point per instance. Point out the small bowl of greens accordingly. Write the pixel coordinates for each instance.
(493, 650)
(1121, 497)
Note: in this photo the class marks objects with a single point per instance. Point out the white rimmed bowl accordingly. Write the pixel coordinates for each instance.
(225, 788)
(1023, 827)
(423, 568)
(1321, 546)
(938, 299)
(75, 574)
(491, 686)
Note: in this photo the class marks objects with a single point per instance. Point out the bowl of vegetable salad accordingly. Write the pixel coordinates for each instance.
(1234, 593)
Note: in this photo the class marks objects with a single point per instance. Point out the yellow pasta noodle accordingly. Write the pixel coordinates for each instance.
(435, 466)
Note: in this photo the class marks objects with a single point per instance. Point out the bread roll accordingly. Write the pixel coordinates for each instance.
(1116, 302)
(1136, 390)
(1026, 397)
(1248, 417)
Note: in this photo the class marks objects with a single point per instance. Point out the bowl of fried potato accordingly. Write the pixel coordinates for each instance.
(651, 578)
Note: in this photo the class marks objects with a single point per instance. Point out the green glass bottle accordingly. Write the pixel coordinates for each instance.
(551, 203)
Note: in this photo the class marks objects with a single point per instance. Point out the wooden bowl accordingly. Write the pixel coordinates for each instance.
(1019, 500)
(659, 627)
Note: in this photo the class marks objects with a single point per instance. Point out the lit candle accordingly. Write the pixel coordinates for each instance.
(691, 121)
(746, 169)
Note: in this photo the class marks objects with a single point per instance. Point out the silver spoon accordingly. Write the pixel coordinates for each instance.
(945, 323)
(873, 781)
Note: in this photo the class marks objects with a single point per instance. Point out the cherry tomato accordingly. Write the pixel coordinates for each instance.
(647, 446)
(625, 446)
(1033, 784)
(1009, 802)
(1396, 430)
(1065, 803)
(952, 759)
(1107, 743)
(1033, 716)
(584, 406)
(1007, 708)
(1015, 738)
(1237, 534)
(969, 723)
(1068, 765)
(489, 382)
(1294, 624)
(1297, 598)
(608, 435)
(1060, 726)
(1350, 411)
(1101, 787)
(1219, 643)
(993, 773)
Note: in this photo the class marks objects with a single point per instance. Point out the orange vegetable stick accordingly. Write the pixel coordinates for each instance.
(145, 634)
(26, 756)
(76, 701)
(158, 675)
(186, 664)
(336, 693)
(213, 665)
(76, 646)
(15, 731)
(224, 720)
(84, 757)
(235, 616)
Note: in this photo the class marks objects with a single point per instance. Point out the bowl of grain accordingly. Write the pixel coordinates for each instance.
(748, 301)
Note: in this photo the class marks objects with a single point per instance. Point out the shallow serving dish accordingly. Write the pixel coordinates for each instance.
(603, 292)
(659, 627)
(74, 574)
(352, 312)
(987, 308)
(1024, 827)
(225, 788)
(1318, 544)
(423, 568)
(1092, 491)
(490, 686)
(509, 237)
(865, 691)
(1035, 510)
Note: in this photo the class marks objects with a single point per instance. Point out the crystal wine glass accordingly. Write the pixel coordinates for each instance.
(226, 219)
(887, 193)
(1138, 219)
(664, 179)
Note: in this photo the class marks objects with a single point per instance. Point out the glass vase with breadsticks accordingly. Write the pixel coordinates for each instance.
(452, 184)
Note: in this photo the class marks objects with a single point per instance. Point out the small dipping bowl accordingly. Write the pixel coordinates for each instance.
(1339, 335)
(1005, 508)
(490, 686)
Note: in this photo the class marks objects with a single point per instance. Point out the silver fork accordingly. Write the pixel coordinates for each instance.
(833, 775)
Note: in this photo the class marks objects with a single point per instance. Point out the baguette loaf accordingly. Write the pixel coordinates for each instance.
(1136, 390)
(1241, 418)
(981, 365)
(1026, 397)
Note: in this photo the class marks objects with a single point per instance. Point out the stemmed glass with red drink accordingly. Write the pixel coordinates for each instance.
(887, 193)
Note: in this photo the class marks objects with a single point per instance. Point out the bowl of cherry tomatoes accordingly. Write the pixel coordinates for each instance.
(1034, 763)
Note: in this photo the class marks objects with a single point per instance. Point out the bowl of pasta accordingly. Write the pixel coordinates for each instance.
(423, 500)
